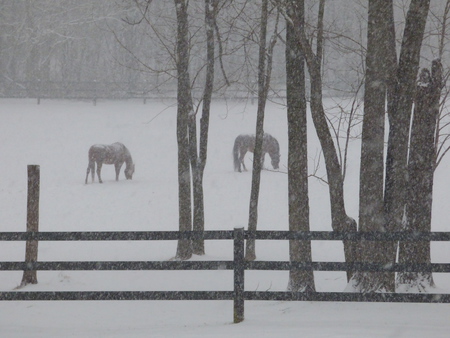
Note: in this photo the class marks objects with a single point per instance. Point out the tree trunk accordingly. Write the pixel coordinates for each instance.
(299, 251)
(372, 146)
(257, 165)
(31, 247)
(184, 100)
(339, 220)
(199, 214)
(422, 159)
(399, 112)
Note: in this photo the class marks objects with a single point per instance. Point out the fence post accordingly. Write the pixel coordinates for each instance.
(95, 93)
(239, 271)
(31, 250)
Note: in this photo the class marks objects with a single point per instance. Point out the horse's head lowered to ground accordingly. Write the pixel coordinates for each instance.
(244, 143)
(116, 154)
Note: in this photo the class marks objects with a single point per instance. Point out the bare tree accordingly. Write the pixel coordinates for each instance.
(400, 101)
(299, 251)
(372, 145)
(421, 165)
(189, 39)
(256, 174)
(264, 75)
(385, 75)
(441, 18)
(198, 164)
(340, 221)
(184, 114)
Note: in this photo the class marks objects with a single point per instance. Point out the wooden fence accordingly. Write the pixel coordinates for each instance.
(238, 264)
(97, 90)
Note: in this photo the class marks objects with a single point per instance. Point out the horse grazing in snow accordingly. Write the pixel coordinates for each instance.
(244, 143)
(115, 153)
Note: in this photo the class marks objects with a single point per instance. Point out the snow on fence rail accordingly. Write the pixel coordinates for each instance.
(32, 236)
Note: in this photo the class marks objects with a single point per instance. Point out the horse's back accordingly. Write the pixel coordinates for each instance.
(95, 151)
(108, 154)
(246, 141)
(270, 143)
(118, 146)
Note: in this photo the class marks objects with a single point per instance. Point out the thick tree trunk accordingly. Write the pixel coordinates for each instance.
(422, 159)
(184, 100)
(399, 112)
(372, 145)
(299, 251)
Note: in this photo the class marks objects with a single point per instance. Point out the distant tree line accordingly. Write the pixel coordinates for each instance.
(74, 47)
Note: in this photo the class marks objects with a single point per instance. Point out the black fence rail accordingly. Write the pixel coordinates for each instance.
(85, 90)
(238, 265)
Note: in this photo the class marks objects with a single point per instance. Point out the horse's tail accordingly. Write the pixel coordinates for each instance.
(90, 168)
(236, 161)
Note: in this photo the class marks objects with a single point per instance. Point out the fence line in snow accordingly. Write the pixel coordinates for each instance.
(238, 265)
(31, 265)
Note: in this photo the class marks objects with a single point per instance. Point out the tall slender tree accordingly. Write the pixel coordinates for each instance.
(184, 114)
(257, 166)
(340, 221)
(299, 251)
(199, 163)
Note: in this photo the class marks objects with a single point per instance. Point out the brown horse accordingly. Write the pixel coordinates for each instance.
(244, 143)
(116, 154)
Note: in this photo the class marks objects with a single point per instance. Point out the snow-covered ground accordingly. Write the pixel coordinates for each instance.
(57, 135)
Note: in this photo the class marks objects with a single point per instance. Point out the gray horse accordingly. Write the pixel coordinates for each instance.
(244, 143)
(116, 154)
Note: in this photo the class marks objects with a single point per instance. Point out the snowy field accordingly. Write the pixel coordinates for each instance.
(57, 135)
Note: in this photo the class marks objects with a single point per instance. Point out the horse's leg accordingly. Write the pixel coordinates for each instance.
(87, 172)
(99, 169)
(90, 168)
(118, 166)
(237, 164)
(263, 156)
(93, 172)
(241, 160)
